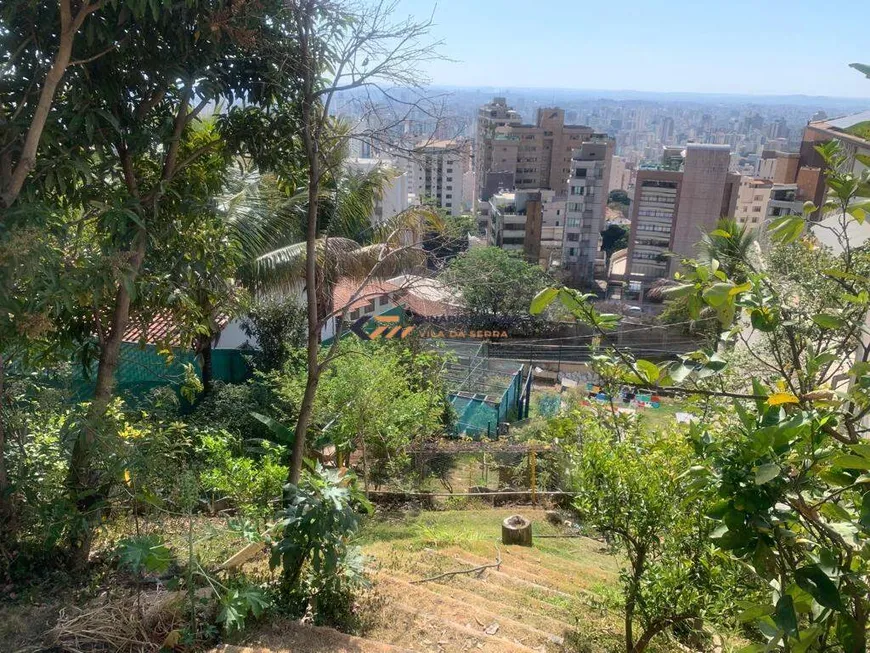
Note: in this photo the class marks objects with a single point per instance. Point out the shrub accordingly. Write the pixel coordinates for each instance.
(229, 406)
(320, 568)
(279, 327)
(250, 483)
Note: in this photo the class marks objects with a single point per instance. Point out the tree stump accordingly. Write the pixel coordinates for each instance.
(516, 530)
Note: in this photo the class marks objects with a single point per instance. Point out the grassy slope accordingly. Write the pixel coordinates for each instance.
(559, 590)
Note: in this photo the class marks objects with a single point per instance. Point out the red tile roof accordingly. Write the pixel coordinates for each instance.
(347, 288)
(161, 329)
(398, 295)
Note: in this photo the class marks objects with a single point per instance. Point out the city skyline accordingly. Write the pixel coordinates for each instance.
(738, 48)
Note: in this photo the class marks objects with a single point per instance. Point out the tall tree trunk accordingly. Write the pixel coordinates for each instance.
(87, 489)
(313, 341)
(7, 506)
(11, 185)
(631, 599)
(205, 350)
(310, 133)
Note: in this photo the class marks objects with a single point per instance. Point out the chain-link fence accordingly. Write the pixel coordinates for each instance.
(493, 473)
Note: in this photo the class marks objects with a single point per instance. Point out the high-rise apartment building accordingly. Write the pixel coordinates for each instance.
(490, 117)
(586, 204)
(530, 222)
(536, 156)
(437, 174)
(752, 199)
(674, 203)
(559, 174)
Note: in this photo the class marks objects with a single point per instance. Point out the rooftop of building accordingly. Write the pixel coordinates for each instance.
(777, 154)
(442, 145)
(708, 146)
(757, 181)
(856, 125)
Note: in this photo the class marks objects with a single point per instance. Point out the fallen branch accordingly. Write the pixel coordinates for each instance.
(479, 569)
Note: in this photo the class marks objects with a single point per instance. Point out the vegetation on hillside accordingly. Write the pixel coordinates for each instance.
(169, 167)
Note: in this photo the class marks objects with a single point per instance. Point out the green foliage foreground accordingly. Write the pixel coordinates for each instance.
(781, 458)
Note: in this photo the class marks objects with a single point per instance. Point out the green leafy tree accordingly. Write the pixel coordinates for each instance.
(618, 196)
(335, 47)
(787, 459)
(635, 492)
(369, 401)
(494, 282)
(613, 238)
(123, 166)
(39, 43)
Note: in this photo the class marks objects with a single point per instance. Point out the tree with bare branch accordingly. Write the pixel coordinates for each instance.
(344, 47)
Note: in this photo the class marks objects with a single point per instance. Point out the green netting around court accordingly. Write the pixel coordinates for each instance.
(484, 392)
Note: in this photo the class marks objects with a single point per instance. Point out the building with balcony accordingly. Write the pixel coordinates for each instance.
(784, 200)
(437, 174)
(752, 198)
(490, 117)
(674, 204)
(586, 205)
(529, 222)
(509, 154)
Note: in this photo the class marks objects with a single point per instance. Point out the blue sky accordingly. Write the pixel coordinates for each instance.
(767, 47)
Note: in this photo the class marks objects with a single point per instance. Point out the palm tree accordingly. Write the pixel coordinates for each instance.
(730, 244)
(264, 227)
(349, 246)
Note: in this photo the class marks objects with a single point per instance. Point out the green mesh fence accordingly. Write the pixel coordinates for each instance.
(141, 369)
(480, 413)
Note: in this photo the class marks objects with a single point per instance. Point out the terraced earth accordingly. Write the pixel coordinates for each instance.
(551, 597)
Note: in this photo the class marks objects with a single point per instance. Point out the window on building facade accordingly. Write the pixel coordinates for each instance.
(573, 237)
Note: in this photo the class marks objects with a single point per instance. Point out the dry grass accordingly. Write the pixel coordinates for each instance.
(118, 624)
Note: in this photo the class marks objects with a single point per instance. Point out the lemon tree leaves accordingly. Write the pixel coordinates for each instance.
(828, 321)
(578, 303)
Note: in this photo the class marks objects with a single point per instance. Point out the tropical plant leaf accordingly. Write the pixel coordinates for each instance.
(828, 321)
(766, 473)
(814, 581)
(542, 300)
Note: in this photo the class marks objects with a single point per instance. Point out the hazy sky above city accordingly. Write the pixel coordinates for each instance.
(762, 47)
